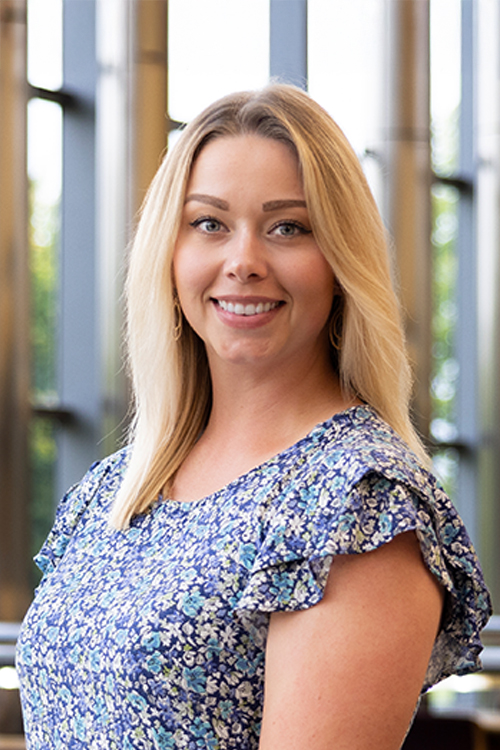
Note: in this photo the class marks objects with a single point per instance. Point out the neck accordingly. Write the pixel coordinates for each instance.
(265, 408)
(255, 415)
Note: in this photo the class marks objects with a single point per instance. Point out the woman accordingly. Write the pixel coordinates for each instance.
(269, 564)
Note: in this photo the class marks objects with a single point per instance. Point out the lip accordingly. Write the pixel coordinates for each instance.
(250, 299)
(249, 321)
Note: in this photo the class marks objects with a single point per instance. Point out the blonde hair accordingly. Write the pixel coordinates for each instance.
(170, 378)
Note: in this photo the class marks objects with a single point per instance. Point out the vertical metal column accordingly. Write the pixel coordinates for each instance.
(466, 343)
(78, 333)
(151, 123)
(14, 316)
(288, 43)
(115, 202)
(484, 33)
(132, 135)
(409, 179)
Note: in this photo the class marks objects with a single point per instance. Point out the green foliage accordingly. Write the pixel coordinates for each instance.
(43, 456)
(445, 368)
(445, 374)
(43, 239)
(43, 236)
(445, 371)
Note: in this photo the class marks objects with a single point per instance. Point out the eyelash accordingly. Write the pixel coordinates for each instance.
(198, 222)
(282, 223)
(289, 223)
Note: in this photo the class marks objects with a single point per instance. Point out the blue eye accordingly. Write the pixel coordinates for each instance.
(207, 224)
(289, 229)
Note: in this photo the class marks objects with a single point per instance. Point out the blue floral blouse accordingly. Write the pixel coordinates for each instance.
(154, 637)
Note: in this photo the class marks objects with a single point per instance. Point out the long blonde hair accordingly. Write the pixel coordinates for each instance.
(170, 378)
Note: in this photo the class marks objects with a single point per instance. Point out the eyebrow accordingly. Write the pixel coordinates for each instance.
(287, 203)
(267, 206)
(210, 199)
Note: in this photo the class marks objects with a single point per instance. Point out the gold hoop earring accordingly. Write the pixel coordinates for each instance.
(177, 319)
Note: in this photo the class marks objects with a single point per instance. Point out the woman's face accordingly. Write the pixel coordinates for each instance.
(252, 282)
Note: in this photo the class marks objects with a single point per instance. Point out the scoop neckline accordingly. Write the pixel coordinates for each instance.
(320, 427)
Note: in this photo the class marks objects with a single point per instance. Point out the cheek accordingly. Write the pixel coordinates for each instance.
(192, 279)
(178, 271)
(319, 285)
(187, 271)
(183, 282)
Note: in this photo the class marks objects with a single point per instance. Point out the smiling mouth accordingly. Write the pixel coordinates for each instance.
(237, 308)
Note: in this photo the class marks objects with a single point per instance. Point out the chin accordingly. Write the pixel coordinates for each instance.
(244, 354)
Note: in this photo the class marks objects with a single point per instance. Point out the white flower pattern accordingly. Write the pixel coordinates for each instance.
(154, 637)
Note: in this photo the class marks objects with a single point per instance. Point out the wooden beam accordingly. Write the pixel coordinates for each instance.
(410, 179)
(14, 316)
(151, 122)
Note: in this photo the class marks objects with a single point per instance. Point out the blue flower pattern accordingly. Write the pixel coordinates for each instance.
(154, 637)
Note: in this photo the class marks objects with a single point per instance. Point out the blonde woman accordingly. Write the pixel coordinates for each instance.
(269, 564)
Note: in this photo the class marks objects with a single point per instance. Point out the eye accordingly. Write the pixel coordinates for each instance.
(207, 224)
(289, 229)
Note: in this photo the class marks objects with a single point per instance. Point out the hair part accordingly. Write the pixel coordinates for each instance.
(170, 378)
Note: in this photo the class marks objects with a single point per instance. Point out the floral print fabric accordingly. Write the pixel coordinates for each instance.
(154, 637)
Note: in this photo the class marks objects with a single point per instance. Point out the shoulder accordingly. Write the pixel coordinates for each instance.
(353, 471)
(113, 465)
(357, 441)
(103, 476)
(355, 485)
(358, 487)
(99, 484)
(365, 486)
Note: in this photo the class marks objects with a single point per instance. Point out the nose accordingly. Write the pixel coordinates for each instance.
(246, 260)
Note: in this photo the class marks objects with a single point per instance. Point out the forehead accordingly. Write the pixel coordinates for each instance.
(242, 158)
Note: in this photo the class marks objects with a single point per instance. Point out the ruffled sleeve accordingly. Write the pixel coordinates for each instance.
(71, 509)
(330, 515)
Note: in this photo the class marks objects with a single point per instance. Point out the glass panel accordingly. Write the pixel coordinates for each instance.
(215, 48)
(44, 174)
(345, 62)
(445, 464)
(445, 366)
(445, 31)
(445, 70)
(45, 43)
(346, 75)
(43, 457)
(457, 696)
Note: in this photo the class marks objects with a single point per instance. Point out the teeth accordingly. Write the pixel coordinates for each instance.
(240, 309)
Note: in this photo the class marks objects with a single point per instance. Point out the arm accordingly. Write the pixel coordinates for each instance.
(346, 674)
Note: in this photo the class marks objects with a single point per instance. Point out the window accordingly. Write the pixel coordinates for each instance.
(125, 64)
(44, 142)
